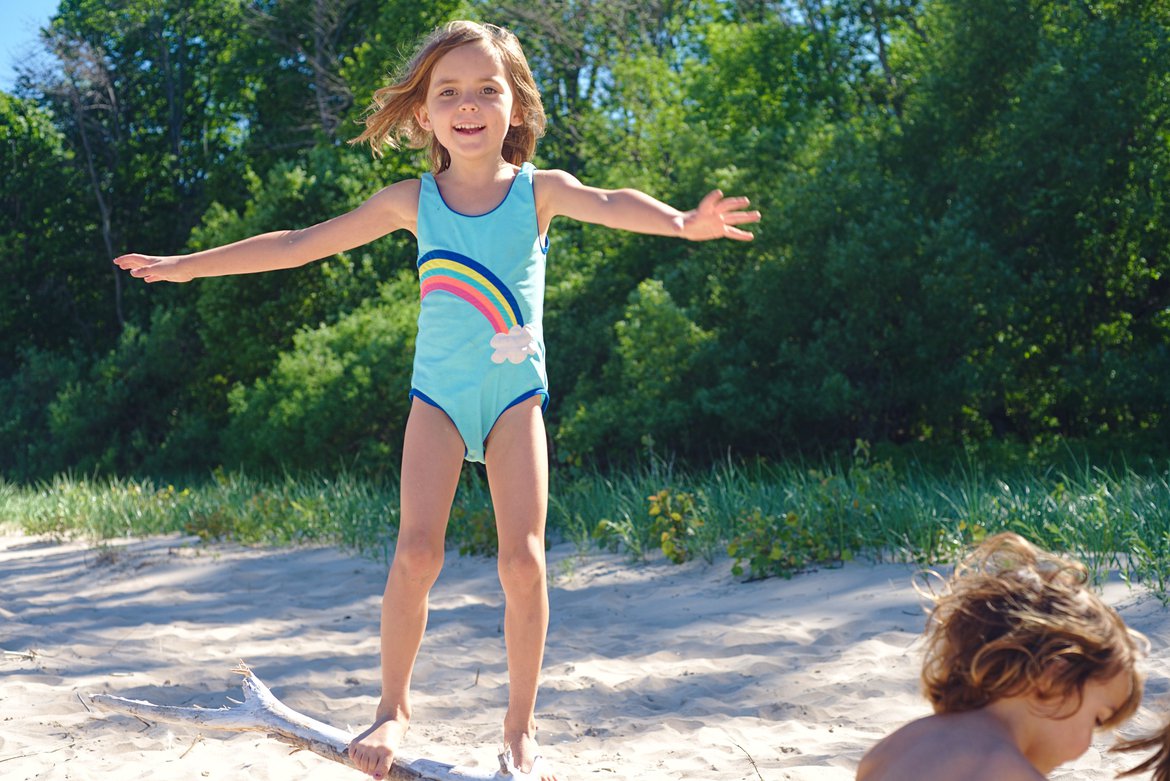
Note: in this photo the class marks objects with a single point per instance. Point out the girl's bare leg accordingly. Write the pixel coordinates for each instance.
(517, 469)
(432, 455)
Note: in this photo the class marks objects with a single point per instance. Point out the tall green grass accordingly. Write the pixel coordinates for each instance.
(767, 518)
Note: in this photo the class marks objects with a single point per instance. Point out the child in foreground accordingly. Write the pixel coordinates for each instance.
(1023, 663)
(479, 387)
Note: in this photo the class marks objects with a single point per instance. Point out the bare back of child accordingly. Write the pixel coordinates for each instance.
(932, 748)
(1024, 662)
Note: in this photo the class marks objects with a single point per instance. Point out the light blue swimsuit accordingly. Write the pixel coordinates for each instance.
(480, 346)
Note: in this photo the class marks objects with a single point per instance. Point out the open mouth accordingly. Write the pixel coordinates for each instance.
(467, 128)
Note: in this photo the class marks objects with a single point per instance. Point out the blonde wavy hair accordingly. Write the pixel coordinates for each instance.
(1015, 620)
(391, 118)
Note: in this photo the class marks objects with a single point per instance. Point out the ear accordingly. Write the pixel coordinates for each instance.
(423, 117)
(517, 116)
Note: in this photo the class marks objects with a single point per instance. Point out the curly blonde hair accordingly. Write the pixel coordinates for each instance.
(1016, 620)
(391, 118)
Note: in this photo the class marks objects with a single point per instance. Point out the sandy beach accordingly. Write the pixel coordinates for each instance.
(654, 671)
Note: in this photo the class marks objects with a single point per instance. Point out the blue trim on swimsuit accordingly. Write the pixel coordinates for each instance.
(417, 394)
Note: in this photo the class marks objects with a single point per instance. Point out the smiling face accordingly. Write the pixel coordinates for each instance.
(469, 103)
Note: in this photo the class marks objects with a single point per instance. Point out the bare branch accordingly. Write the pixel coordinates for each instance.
(261, 711)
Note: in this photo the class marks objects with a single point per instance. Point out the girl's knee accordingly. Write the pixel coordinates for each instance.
(417, 561)
(522, 567)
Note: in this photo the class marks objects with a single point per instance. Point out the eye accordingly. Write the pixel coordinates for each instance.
(491, 90)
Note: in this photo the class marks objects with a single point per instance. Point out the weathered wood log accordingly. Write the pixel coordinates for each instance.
(261, 711)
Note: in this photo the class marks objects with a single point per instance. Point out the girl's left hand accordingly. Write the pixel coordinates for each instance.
(716, 218)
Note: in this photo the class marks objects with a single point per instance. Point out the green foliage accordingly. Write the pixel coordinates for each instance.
(338, 396)
(779, 545)
(676, 522)
(964, 236)
(475, 529)
(247, 320)
(57, 288)
(662, 354)
(27, 448)
(1022, 132)
(802, 515)
(119, 411)
(613, 535)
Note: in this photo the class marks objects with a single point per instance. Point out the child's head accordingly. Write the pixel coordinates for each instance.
(393, 117)
(1018, 621)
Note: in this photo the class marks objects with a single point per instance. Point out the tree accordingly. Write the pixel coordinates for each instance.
(50, 296)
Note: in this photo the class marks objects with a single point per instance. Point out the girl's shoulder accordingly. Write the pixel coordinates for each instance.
(554, 177)
(402, 196)
(400, 190)
(552, 185)
(395, 205)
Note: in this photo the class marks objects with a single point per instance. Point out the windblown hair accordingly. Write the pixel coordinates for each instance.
(391, 118)
(1015, 621)
(1158, 762)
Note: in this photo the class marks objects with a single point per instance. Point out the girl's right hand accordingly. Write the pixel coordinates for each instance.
(153, 268)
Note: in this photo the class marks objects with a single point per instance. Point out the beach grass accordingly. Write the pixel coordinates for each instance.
(763, 519)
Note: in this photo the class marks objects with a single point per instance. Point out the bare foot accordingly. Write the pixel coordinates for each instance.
(373, 750)
(526, 758)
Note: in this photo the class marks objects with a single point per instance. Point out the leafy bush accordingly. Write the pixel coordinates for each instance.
(27, 448)
(676, 523)
(118, 413)
(338, 397)
(779, 545)
(660, 362)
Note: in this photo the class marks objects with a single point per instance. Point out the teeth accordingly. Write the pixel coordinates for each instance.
(462, 126)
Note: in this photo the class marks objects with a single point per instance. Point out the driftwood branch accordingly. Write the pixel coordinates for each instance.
(261, 711)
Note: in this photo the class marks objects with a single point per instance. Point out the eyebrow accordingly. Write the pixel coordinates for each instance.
(456, 80)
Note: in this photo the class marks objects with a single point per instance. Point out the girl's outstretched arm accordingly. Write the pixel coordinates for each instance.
(388, 210)
(716, 217)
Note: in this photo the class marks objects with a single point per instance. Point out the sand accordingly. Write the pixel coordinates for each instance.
(654, 671)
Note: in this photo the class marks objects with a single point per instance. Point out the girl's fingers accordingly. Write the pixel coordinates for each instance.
(130, 262)
(735, 218)
(711, 201)
(737, 234)
(733, 204)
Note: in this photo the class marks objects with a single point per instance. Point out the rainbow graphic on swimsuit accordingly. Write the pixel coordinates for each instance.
(474, 283)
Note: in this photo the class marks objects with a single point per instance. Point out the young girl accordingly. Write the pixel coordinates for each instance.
(479, 384)
(1023, 662)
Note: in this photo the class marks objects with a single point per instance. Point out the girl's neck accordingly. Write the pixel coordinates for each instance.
(475, 173)
(473, 189)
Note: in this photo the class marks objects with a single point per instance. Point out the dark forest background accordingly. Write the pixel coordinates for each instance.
(964, 238)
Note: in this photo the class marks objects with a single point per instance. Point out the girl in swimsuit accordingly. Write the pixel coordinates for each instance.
(479, 386)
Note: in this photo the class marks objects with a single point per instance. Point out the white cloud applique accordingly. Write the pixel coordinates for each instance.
(514, 346)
